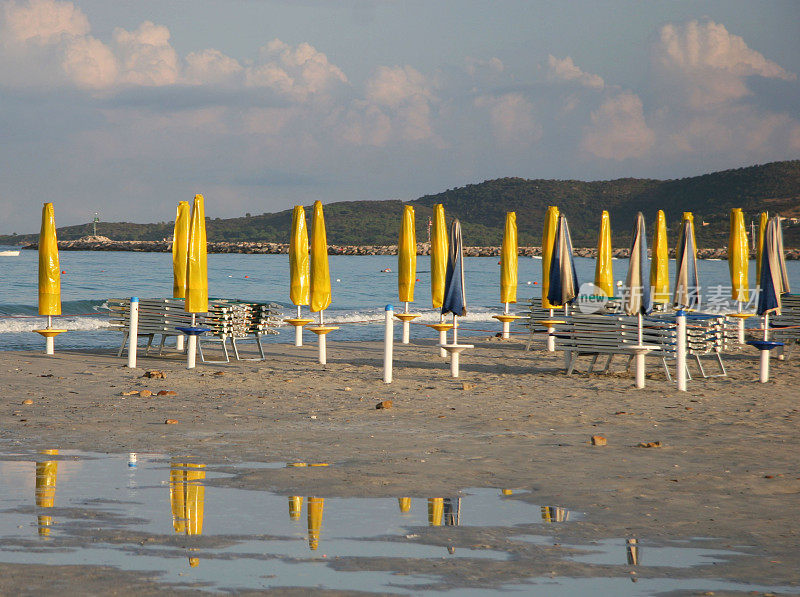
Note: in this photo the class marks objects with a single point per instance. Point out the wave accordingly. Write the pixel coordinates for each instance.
(14, 325)
(425, 316)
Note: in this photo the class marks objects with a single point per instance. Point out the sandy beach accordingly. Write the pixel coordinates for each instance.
(727, 468)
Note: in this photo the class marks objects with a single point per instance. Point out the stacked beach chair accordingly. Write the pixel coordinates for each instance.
(228, 321)
(611, 334)
(786, 326)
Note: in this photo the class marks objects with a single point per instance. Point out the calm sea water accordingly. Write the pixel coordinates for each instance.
(360, 290)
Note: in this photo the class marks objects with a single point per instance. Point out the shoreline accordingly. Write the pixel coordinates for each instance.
(259, 248)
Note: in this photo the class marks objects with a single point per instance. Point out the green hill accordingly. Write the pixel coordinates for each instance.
(482, 207)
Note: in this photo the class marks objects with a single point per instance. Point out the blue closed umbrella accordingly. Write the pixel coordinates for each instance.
(455, 301)
(563, 278)
(687, 283)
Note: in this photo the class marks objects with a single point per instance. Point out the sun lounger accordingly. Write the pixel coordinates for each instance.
(228, 321)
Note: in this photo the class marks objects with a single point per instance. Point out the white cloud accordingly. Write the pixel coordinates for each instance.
(41, 22)
(393, 86)
(146, 56)
(211, 67)
(511, 117)
(298, 72)
(89, 63)
(566, 70)
(618, 130)
(709, 65)
(405, 95)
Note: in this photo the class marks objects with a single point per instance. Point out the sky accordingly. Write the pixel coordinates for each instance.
(126, 108)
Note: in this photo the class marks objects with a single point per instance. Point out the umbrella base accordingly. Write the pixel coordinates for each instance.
(49, 335)
(406, 318)
(455, 350)
(442, 328)
(639, 351)
(506, 320)
(298, 323)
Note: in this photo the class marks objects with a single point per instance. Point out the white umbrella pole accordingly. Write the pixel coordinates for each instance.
(298, 330)
(191, 349)
(639, 358)
(133, 332)
(442, 337)
(406, 325)
(551, 341)
(680, 351)
(323, 349)
(567, 353)
(388, 341)
(454, 354)
(763, 369)
(49, 341)
(506, 324)
(741, 323)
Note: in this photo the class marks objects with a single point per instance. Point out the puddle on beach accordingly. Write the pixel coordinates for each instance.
(152, 514)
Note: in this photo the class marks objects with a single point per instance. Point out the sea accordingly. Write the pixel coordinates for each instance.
(360, 288)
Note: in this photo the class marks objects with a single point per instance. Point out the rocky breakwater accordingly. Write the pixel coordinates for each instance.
(101, 243)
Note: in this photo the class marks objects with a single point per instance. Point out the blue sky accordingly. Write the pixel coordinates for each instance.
(129, 107)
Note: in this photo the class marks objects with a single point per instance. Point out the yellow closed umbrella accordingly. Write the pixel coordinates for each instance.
(49, 266)
(314, 506)
(508, 261)
(435, 511)
(187, 499)
(548, 240)
(49, 277)
(406, 268)
(320, 279)
(197, 261)
(659, 263)
(439, 250)
(320, 271)
(763, 218)
(738, 255)
(407, 257)
(438, 255)
(299, 271)
(603, 269)
(180, 250)
(508, 272)
(295, 507)
(46, 474)
(405, 504)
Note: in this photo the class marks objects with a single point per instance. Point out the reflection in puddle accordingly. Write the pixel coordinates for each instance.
(187, 494)
(113, 511)
(46, 473)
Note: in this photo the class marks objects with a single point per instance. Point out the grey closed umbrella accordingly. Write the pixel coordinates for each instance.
(638, 300)
(774, 281)
(687, 282)
(563, 278)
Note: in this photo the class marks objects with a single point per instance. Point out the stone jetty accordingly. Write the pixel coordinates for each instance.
(100, 243)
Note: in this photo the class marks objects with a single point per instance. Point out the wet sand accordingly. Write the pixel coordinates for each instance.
(728, 468)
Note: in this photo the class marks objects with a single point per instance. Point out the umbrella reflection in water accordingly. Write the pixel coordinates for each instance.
(187, 498)
(46, 472)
